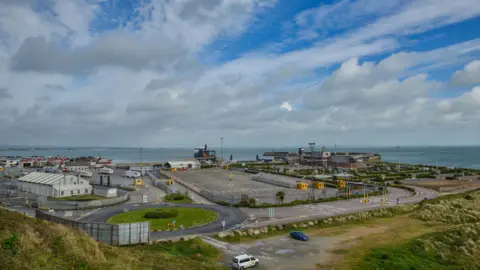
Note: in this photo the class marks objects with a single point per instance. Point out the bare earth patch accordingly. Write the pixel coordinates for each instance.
(444, 185)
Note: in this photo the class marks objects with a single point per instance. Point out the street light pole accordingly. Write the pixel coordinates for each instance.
(221, 148)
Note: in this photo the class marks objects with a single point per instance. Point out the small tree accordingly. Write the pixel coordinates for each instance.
(281, 196)
(252, 201)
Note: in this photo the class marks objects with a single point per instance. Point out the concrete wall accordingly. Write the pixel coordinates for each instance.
(44, 203)
(39, 189)
(105, 192)
(117, 235)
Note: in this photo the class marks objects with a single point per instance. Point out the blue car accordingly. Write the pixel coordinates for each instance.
(299, 236)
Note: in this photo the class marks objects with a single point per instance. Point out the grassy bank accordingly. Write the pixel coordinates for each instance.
(444, 233)
(188, 217)
(28, 243)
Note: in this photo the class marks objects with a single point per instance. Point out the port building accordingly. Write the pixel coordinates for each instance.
(54, 185)
(78, 166)
(182, 164)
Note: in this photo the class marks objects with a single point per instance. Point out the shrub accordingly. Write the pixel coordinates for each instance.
(12, 243)
(162, 213)
(175, 197)
(224, 203)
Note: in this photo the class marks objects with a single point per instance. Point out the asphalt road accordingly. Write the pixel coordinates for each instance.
(232, 217)
(258, 217)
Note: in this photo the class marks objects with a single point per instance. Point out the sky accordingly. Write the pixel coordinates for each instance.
(255, 72)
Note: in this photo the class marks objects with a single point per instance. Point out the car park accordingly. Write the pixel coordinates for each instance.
(299, 236)
(244, 261)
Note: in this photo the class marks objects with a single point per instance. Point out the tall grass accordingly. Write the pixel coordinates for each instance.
(458, 209)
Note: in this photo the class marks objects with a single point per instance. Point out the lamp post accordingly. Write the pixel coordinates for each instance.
(221, 147)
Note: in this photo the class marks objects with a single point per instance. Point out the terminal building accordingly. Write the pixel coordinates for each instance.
(54, 185)
(324, 158)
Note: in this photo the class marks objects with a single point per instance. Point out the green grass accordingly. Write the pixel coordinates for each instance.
(86, 197)
(409, 256)
(188, 217)
(188, 248)
(417, 254)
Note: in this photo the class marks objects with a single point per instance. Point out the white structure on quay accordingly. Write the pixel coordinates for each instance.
(183, 164)
(54, 185)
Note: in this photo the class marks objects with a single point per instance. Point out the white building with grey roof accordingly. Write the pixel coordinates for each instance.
(54, 185)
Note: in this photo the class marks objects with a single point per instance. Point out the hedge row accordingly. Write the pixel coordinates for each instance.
(161, 213)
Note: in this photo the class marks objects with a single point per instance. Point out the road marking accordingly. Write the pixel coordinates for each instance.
(87, 214)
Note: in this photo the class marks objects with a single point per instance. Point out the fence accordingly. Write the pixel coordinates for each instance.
(43, 202)
(261, 195)
(159, 183)
(112, 234)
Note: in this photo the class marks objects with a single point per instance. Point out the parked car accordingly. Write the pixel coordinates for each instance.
(244, 261)
(299, 236)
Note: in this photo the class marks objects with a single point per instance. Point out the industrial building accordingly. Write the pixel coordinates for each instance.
(78, 166)
(54, 185)
(324, 158)
(182, 164)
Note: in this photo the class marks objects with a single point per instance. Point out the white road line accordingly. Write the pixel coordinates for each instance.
(87, 214)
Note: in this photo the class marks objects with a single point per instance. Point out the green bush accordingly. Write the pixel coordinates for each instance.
(175, 197)
(162, 213)
(224, 203)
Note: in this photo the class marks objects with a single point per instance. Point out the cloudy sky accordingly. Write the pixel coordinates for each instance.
(165, 73)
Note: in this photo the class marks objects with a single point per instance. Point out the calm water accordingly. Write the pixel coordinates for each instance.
(467, 156)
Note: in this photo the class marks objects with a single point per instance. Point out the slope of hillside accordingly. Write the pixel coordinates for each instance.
(444, 233)
(28, 243)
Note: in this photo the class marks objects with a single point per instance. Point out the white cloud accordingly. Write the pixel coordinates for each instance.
(286, 106)
(64, 82)
(470, 75)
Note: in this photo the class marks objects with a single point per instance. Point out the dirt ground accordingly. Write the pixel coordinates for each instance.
(331, 248)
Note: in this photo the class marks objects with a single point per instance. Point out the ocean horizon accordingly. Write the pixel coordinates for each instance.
(451, 156)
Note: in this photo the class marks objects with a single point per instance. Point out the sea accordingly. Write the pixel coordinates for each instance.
(451, 156)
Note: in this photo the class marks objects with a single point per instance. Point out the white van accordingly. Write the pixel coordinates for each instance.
(106, 170)
(244, 261)
(132, 174)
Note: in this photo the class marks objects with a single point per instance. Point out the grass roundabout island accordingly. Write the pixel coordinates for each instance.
(161, 217)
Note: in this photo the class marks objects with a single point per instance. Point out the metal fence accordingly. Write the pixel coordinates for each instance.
(112, 234)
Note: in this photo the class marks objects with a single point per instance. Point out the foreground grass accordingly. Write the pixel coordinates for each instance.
(85, 197)
(28, 243)
(188, 217)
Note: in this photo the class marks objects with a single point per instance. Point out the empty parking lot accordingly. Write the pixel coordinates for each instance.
(218, 182)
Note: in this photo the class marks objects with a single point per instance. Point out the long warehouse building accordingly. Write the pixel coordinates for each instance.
(54, 185)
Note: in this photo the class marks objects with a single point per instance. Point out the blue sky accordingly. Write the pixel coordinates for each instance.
(258, 72)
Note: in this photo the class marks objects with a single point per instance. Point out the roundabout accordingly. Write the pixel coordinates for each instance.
(197, 214)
